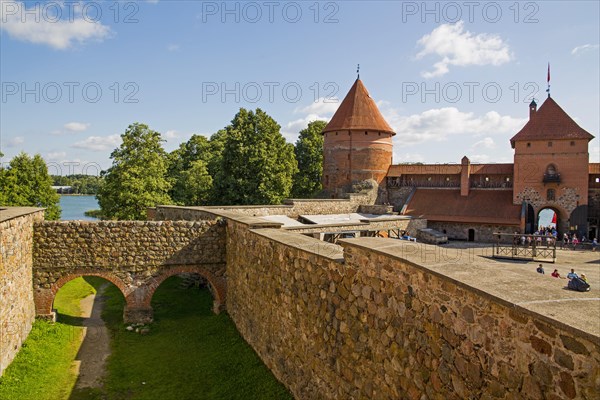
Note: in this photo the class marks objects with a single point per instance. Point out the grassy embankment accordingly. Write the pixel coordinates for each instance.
(190, 353)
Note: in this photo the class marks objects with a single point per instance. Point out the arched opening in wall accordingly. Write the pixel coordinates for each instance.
(530, 219)
(183, 296)
(471, 235)
(547, 220)
(79, 298)
(86, 309)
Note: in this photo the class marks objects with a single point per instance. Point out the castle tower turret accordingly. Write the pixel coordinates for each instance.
(551, 166)
(357, 142)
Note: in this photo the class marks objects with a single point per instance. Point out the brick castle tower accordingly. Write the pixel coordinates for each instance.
(551, 167)
(357, 143)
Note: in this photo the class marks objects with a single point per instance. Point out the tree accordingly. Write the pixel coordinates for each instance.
(137, 178)
(309, 154)
(191, 158)
(257, 165)
(26, 183)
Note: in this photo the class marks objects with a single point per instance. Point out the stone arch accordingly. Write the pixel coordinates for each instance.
(217, 285)
(561, 216)
(44, 298)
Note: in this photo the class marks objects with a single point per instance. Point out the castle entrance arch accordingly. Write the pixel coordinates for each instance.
(547, 218)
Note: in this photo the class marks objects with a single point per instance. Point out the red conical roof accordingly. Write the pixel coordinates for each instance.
(358, 111)
(550, 122)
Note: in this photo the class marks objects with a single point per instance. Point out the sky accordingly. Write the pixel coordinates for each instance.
(452, 78)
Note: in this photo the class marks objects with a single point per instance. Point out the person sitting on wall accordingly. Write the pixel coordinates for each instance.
(540, 269)
(572, 274)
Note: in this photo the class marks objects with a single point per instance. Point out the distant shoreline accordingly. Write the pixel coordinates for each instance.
(76, 194)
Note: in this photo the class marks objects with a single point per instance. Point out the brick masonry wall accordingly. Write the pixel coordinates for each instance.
(373, 326)
(483, 232)
(594, 203)
(17, 309)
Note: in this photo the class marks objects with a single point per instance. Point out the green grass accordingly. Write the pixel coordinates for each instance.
(189, 354)
(43, 367)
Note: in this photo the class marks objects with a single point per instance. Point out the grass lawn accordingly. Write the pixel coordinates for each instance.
(190, 353)
(43, 367)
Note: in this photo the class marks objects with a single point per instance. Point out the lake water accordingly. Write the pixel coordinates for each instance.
(73, 207)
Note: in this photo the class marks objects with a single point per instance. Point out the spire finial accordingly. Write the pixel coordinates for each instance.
(548, 80)
(357, 71)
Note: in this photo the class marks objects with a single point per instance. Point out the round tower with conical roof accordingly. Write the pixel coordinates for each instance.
(357, 143)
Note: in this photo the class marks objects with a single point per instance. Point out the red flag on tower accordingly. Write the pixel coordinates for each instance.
(548, 80)
(553, 215)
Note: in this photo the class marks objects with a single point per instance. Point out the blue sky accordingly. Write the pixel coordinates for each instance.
(453, 78)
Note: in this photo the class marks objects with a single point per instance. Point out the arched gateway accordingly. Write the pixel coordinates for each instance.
(135, 256)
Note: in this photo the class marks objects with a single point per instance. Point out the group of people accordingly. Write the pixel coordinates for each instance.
(575, 281)
(526, 240)
(572, 239)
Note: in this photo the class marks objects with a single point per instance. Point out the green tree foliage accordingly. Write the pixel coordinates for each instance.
(309, 154)
(137, 178)
(257, 165)
(26, 183)
(189, 171)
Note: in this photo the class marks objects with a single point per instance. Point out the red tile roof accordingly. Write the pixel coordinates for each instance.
(480, 206)
(358, 111)
(550, 122)
(448, 169)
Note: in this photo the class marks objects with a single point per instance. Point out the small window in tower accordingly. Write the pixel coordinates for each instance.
(366, 133)
(379, 133)
(550, 195)
(549, 144)
(572, 143)
(326, 180)
(336, 134)
(348, 156)
(528, 144)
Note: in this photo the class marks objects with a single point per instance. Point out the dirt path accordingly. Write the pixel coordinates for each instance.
(90, 363)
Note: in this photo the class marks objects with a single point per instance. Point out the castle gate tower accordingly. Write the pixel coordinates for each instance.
(357, 143)
(551, 167)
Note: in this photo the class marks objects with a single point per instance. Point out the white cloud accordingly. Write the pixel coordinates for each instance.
(76, 126)
(480, 158)
(439, 124)
(172, 134)
(173, 47)
(320, 110)
(486, 143)
(55, 155)
(407, 157)
(99, 143)
(458, 47)
(16, 141)
(595, 154)
(57, 26)
(584, 49)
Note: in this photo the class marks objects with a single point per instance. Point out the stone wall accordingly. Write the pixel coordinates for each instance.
(594, 203)
(367, 325)
(17, 309)
(483, 232)
(134, 255)
(397, 196)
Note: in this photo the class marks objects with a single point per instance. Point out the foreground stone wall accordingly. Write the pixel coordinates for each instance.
(17, 310)
(137, 256)
(367, 325)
